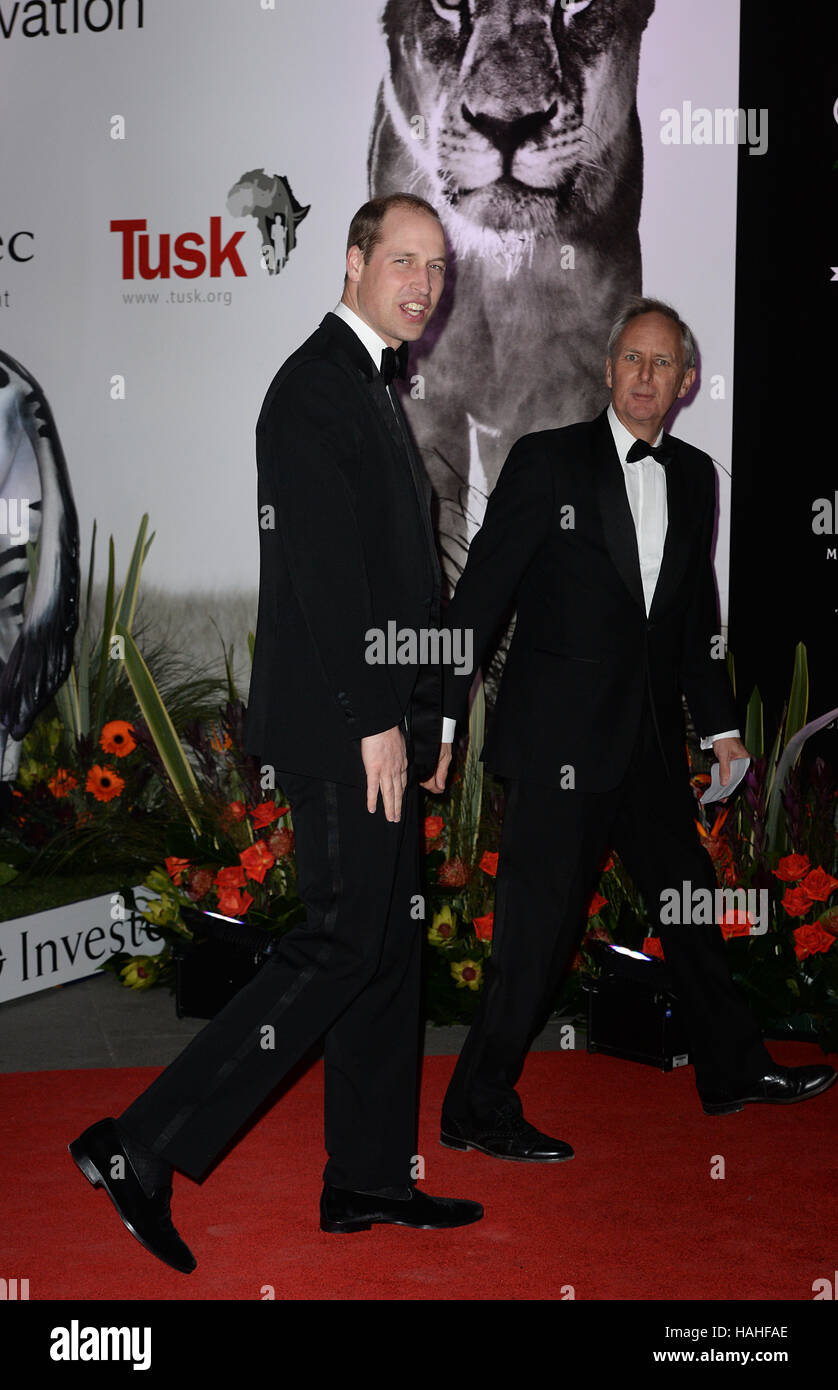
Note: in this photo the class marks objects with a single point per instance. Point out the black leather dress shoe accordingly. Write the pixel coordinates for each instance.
(509, 1136)
(780, 1086)
(146, 1215)
(342, 1210)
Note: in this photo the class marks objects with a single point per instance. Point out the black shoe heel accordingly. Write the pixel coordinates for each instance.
(83, 1163)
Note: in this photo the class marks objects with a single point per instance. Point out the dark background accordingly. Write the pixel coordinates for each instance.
(783, 587)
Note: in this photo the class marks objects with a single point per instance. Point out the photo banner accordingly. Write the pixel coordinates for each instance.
(182, 178)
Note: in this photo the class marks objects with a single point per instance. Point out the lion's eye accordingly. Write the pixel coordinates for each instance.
(572, 7)
(453, 11)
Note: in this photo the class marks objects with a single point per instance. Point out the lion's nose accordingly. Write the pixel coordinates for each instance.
(508, 135)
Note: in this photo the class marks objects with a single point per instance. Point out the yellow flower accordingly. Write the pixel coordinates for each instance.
(443, 928)
(467, 973)
(139, 973)
(161, 912)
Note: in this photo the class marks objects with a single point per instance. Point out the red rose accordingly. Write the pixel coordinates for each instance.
(735, 923)
(233, 904)
(266, 812)
(793, 867)
(809, 938)
(280, 842)
(433, 827)
(237, 810)
(797, 901)
(819, 885)
(483, 926)
(597, 903)
(257, 859)
(452, 874)
(232, 877)
(652, 947)
(489, 863)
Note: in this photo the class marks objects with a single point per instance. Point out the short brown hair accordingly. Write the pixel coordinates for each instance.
(365, 227)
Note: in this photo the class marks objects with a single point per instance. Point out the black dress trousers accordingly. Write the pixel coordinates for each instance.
(351, 971)
(552, 844)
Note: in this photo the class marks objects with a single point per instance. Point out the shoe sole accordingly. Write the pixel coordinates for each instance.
(449, 1142)
(733, 1107)
(350, 1227)
(85, 1165)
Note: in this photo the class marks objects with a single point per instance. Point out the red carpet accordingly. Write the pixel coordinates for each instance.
(636, 1215)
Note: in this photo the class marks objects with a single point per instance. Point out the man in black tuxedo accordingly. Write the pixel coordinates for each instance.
(601, 535)
(346, 547)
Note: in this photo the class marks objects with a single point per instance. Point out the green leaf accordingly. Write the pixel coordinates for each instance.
(104, 646)
(754, 729)
(160, 727)
(799, 694)
(127, 601)
(84, 644)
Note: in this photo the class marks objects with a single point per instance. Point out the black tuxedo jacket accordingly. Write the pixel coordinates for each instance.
(558, 541)
(346, 546)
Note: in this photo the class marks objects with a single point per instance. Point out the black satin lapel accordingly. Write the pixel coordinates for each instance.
(675, 548)
(617, 520)
(386, 413)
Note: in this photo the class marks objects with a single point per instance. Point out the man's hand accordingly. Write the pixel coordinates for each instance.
(385, 763)
(437, 782)
(725, 749)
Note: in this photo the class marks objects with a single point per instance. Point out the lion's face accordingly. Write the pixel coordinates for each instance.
(512, 108)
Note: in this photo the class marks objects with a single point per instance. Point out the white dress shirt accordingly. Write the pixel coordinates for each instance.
(368, 336)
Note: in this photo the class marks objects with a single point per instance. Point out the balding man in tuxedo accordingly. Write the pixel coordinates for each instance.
(600, 535)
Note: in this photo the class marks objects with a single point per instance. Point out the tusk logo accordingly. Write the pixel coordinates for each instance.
(269, 199)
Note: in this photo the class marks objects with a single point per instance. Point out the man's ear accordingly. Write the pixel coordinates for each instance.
(689, 378)
(608, 372)
(354, 263)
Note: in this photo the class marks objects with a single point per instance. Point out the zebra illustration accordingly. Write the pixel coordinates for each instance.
(36, 504)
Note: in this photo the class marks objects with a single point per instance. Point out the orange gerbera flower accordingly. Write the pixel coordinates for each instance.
(104, 783)
(62, 783)
(117, 738)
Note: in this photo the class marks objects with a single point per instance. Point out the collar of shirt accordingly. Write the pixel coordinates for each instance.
(624, 440)
(368, 336)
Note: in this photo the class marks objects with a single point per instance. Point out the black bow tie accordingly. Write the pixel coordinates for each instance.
(639, 449)
(393, 363)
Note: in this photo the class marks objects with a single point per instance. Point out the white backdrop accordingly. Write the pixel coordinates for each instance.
(209, 91)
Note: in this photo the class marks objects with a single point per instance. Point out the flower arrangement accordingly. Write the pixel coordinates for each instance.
(157, 768)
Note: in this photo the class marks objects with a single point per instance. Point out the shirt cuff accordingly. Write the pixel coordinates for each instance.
(449, 728)
(729, 733)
